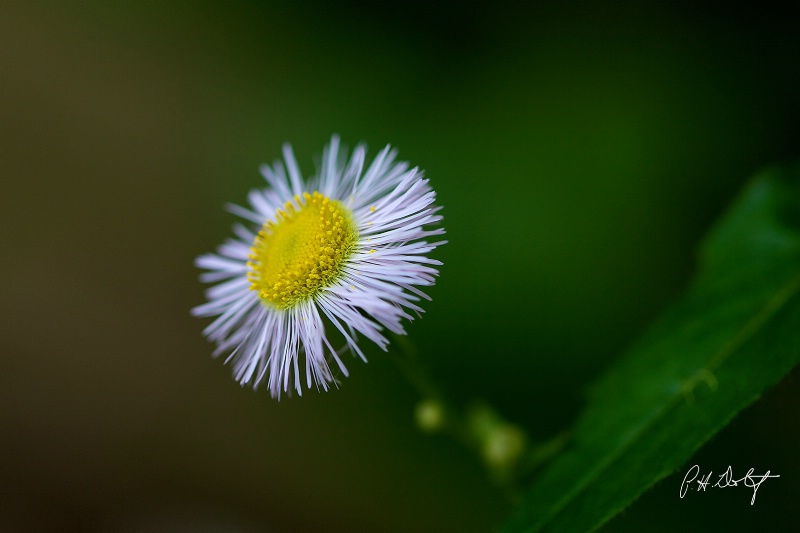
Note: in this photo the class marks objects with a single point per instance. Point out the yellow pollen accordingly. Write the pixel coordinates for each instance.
(302, 252)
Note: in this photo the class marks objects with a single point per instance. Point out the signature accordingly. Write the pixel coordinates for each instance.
(724, 480)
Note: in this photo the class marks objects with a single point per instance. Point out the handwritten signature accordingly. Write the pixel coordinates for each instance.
(724, 480)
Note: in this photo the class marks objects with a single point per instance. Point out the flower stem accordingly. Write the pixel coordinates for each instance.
(502, 446)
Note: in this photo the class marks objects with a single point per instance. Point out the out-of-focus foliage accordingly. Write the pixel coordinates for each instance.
(736, 333)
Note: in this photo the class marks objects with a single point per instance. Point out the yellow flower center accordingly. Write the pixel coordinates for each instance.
(302, 252)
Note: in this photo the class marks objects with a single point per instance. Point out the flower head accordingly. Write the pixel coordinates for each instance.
(344, 249)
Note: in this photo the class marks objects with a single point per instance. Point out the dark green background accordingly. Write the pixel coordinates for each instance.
(580, 151)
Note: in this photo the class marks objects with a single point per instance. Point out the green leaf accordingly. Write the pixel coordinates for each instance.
(734, 335)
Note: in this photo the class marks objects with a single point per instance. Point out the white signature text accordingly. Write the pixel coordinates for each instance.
(723, 481)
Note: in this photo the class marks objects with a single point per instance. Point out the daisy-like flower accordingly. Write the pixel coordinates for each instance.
(344, 249)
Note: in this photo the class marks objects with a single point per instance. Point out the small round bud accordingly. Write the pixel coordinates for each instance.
(429, 415)
(503, 446)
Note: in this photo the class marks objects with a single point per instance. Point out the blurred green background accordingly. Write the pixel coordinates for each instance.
(580, 151)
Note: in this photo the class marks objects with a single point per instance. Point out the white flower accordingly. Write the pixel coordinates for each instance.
(344, 248)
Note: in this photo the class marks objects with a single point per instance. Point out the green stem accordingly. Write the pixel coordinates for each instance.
(407, 360)
(501, 445)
